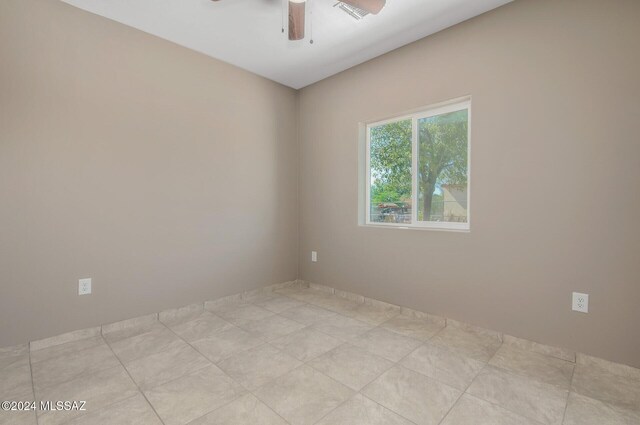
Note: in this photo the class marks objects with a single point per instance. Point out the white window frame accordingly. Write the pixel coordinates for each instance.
(430, 111)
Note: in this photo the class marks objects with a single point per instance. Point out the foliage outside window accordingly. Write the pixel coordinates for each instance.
(418, 169)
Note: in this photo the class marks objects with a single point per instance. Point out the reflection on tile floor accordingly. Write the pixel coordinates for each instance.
(303, 356)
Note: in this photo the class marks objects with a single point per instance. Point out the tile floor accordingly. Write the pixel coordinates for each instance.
(302, 356)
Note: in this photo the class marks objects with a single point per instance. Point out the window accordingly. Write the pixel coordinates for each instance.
(417, 169)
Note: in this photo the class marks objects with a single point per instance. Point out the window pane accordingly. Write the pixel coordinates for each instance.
(390, 163)
(442, 167)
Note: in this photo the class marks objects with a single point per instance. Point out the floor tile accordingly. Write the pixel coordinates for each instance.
(444, 365)
(261, 346)
(310, 296)
(334, 303)
(473, 329)
(533, 399)
(547, 350)
(278, 303)
(387, 344)
(132, 411)
(536, 366)
(65, 338)
(242, 312)
(422, 400)
(182, 400)
(230, 302)
(291, 291)
(409, 312)
(609, 366)
(176, 316)
(303, 396)
(99, 390)
(372, 315)
(158, 339)
(599, 383)
(18, 417)
(257, 295)
(257, 366)
(349, 296)
(117, 332)
(166, 366)
(247, 410)
(359, 410)
(307, 314)
(583, 410)
(200, 327)
(9, 355)
(306, 344)
(13, 351)
(65, 349)
(64, 368)
(271, 327)
(469, 344)
(412, 327)
(350, 365)
(470, 410)
(342, 327)
(226, 343)
(15, 378)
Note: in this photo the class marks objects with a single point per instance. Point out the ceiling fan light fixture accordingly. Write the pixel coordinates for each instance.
(370, 6)
(296, 19)
(352, 11)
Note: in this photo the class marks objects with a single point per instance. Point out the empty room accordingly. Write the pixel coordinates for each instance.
(319, 212)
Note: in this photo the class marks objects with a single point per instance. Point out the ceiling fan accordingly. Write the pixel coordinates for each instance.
(356, 8)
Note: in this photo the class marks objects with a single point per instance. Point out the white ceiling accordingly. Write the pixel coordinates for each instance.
(247, 33)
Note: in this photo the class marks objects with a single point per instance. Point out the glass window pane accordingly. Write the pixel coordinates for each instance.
(442, 167)
(390, 163)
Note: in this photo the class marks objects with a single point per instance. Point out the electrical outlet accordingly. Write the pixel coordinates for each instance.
(314, 256)
(580, 302)
(84, 286)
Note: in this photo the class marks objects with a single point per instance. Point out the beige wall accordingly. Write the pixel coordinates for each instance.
(166, 176)
(556, 109)
(170, 177)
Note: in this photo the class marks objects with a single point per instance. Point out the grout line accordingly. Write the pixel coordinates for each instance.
(306, 363)
(307, 326)
(212, 364)
(462, 392)
(384, 407)
(566, 406)
(399, 364)
(466, 391)
(514, 374)
(339, 405)
(393, 364)
(134, 382)
(57, 356)
(343, 342)
(86, 373)
(132, 326)
(296, 284)
(264, 403)
(518, 414)
(33, 385)
(451, 408)
(225, 373)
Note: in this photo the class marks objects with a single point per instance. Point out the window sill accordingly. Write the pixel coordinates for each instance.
(437, 228)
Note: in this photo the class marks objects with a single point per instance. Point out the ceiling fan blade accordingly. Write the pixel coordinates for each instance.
(371, 6)
(296, 19)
